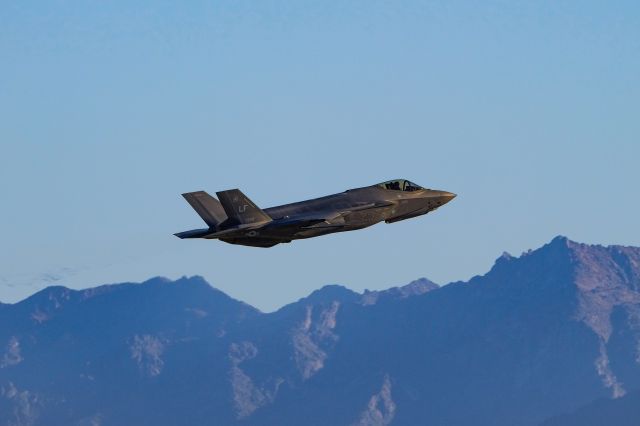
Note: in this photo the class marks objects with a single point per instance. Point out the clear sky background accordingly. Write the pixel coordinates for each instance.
(528, 110)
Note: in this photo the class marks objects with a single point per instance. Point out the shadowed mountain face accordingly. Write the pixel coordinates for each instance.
(538, 336)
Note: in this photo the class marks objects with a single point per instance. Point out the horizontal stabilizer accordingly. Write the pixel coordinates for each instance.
(240, 209)
(209, 209)
(194, 233)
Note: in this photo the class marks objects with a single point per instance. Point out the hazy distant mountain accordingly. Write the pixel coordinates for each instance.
(538, 336)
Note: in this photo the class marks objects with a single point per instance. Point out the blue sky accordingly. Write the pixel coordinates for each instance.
(110, 110)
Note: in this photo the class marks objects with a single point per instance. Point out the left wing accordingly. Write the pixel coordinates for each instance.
(315, 220)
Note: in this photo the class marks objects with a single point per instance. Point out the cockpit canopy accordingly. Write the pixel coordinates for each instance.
(400, 185)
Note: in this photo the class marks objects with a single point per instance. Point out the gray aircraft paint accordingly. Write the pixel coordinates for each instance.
(235, 219)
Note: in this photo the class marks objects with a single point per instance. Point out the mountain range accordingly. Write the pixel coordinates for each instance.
(551, 338)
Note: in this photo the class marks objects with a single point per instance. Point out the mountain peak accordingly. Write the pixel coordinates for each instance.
(414, 288)
(560, 239)
(160, 280)
(55, 295)
(553, 249)
(332, 292)
(559, 242)
(157, 281)
(419, 286)
(506, 255)
(561, 252)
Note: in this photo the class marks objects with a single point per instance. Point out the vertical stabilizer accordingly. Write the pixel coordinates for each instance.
(209, 209)
(240, 209)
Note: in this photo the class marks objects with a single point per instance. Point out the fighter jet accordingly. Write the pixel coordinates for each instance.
(235, 219)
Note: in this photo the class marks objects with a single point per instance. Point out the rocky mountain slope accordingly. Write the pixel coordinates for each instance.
(538, 336)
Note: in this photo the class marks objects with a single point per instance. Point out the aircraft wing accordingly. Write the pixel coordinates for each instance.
(322, 219)
(305, 220)
(336, 219)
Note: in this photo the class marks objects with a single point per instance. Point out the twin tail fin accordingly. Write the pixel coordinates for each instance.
(209, 209)
(240, 209)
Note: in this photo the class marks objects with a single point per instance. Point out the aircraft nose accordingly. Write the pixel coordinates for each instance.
(448, 196)
(443, 197)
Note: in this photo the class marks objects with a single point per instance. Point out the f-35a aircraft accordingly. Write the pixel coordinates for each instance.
(235, 219)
